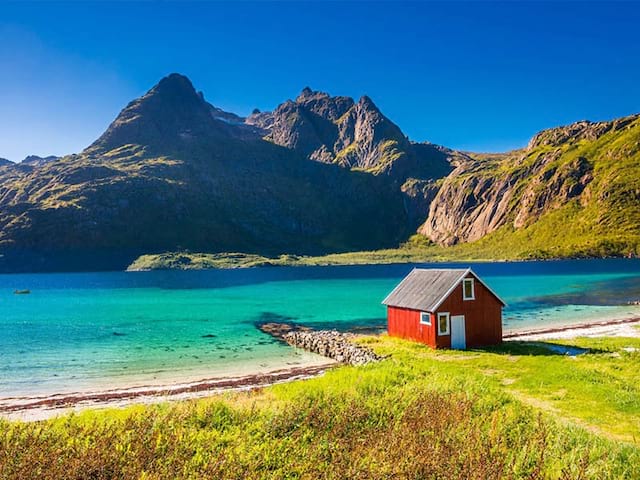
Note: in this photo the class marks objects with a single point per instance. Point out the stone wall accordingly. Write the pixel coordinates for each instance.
(331, 344)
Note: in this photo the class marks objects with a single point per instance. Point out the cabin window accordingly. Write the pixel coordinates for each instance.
(468, 292)
(443, 323)
(425, 318)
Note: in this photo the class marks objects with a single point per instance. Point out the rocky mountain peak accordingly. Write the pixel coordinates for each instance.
(170, 115)
(175, 85)
(307, 94)
(366, 103)
(306, 91)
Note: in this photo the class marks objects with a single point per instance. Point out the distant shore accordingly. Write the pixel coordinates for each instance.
(408, 253)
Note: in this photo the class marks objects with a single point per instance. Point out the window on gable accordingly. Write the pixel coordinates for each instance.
(425, 318)
(443, 323)
(468, 289)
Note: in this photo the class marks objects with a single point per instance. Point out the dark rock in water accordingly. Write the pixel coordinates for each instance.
(209, 335)
(118, 334)
(22, 292)
(279, 330)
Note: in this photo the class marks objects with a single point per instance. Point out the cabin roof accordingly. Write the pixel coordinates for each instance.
(426, 289)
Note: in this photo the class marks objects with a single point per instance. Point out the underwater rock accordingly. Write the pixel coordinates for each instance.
(279, 330)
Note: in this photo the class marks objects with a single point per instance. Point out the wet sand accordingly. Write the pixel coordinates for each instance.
(44, 407)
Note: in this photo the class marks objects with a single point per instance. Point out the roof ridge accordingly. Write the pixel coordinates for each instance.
(425, 289)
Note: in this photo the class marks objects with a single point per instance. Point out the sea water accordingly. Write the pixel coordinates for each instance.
(88, 331)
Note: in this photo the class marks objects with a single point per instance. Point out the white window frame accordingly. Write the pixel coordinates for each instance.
(446, 332)
(464, 290)
(426, 315)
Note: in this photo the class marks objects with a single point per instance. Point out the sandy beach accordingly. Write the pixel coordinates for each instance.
(44, 407)
(624, 327)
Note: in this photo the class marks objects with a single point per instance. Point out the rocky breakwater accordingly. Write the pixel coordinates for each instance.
(331, 344)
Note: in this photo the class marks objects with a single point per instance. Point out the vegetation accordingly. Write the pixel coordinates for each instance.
(499, 246)
(515, 411)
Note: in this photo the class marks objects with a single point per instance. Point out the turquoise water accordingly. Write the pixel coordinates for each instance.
(85, 331)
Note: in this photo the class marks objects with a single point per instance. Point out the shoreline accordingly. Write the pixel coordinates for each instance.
(620, 327)
(35, 408)
(49, 406)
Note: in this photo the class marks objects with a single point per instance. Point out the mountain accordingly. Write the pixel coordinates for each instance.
(351, 134)
(4, 162)
(572, 190)
(174, 172)
(318, 174)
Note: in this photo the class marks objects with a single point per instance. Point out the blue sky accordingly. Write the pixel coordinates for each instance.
(477, 76)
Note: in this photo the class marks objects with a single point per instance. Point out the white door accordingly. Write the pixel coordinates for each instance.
(458, 337)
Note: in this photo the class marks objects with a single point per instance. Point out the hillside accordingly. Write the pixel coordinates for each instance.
(170, 173)
(318, 175)
(574, 190)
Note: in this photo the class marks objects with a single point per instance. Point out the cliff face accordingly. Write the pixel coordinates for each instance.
(592, 166)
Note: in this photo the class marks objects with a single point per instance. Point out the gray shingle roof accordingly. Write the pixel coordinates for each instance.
(424, 289)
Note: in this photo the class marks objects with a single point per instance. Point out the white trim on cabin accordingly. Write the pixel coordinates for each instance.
(448, 323)
(466, 281)
(426, 315)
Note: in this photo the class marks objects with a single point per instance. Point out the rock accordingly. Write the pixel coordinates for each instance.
(351, 134)
(279, 330)
(37, 161)
(331, 344)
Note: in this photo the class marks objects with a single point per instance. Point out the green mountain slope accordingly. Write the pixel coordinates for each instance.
(574, 190)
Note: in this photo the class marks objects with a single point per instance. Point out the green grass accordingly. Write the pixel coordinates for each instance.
(515, 411)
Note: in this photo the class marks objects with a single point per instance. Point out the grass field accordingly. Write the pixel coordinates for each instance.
(515, 411)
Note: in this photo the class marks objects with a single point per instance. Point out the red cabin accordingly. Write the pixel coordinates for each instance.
(445, 308)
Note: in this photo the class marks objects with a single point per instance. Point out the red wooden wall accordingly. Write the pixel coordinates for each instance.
(405, 323)
(483, 319)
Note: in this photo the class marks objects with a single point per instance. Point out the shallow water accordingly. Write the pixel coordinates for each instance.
(97, 330)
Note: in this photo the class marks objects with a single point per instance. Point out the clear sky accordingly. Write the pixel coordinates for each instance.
(476, 76)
